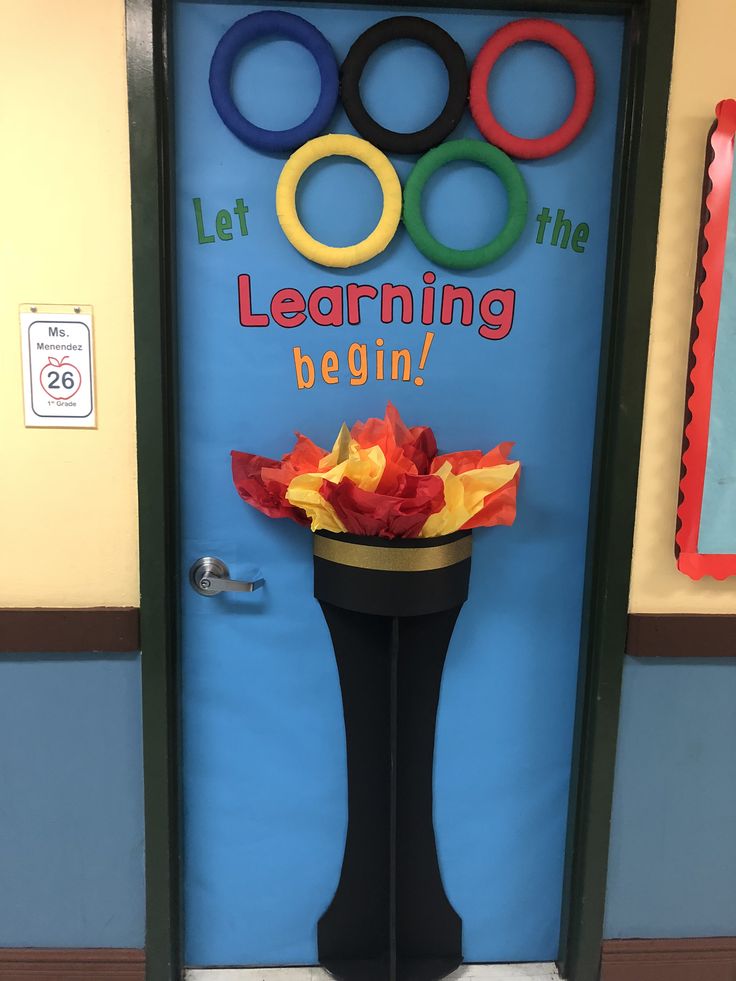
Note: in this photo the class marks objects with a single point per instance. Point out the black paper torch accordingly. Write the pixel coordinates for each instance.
(392, 521)
(391, 606)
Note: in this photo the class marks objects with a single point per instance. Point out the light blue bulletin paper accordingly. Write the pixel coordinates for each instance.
(718, 515)
(265, 804)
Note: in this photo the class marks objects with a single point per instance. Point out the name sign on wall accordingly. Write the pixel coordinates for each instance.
(58, 374)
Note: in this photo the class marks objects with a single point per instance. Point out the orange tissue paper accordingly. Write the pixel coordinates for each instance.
(382, 479)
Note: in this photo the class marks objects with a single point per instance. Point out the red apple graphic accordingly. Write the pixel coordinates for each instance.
(59, 379)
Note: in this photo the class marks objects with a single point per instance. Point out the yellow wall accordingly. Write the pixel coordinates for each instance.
(68, 522)
(68, 500)
(704, 73)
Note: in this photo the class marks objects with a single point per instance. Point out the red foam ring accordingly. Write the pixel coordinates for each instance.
(571, 49)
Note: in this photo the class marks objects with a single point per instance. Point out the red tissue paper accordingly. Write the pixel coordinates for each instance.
(382, 479)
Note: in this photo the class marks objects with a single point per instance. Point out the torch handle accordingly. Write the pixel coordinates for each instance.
(390, 919)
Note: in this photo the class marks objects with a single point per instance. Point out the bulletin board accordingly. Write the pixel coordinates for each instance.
(706, 535)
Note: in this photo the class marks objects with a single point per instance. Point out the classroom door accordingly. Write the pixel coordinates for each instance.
(264, 771)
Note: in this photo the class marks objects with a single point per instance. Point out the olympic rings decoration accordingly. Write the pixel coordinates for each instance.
(342, 145)
(572, 51)
(415, 29)
(497, 161)
(294, 28)
(312, 147)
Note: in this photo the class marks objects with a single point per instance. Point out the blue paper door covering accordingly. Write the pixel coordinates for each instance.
(264, 769)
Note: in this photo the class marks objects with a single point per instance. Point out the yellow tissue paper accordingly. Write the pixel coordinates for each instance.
(465, 495)
(364, 467)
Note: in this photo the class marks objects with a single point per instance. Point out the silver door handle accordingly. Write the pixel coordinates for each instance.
(209, 576)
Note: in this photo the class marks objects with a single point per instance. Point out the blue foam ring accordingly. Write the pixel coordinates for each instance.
(268, 23)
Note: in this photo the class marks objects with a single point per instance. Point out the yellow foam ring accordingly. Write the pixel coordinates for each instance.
(464, 496)
(364, 467)
(338, 145)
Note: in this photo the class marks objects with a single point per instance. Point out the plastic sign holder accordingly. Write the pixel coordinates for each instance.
(58, 366)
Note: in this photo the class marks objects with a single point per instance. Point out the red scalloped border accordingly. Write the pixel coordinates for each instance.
(719, 175)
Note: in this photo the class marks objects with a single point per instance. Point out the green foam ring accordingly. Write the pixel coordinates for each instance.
(501, 165)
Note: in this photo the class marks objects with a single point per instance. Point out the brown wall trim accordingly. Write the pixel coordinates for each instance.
(104, 964)
(699, 959)
(681, 635)
(103, 629)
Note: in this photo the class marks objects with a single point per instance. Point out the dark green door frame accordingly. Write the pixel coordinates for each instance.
(650, 26)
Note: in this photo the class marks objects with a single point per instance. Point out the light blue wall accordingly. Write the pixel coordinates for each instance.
(71, 808)
(71, 802)
(672, 868)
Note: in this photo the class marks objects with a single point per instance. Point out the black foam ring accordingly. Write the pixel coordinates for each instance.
(415, 29)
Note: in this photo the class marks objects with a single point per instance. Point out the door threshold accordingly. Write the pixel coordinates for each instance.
(468, 972)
